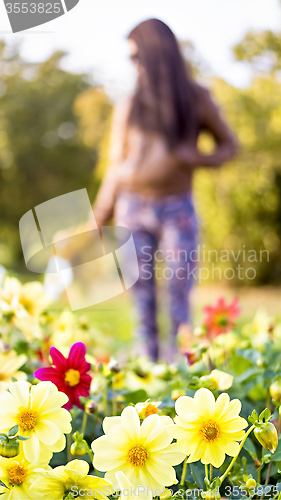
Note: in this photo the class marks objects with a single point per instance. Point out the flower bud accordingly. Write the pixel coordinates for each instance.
(275, 391)
(209, 382)
(176, 393)
(193, 356)
(9, 448)
(267, 436)
(114, 366)
(91, 407)
(251, 483)
(78, 449)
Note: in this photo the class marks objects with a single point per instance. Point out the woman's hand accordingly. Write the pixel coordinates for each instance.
(189, 155)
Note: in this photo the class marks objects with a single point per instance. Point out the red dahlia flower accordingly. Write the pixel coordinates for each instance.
(70, 375)
(221, 317)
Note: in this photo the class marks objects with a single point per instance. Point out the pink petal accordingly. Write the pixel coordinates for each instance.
(85, 380)
(48, 374)
(76, 358)
(58, 359)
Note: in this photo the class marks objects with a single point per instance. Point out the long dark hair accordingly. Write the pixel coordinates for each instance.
(164, 101)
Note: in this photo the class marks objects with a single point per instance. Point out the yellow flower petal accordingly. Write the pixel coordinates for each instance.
(131, 422)
(184, 405)
(109, 422)
(47, 432)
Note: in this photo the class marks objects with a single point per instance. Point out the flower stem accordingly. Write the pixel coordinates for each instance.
(268, 474)
(222, 478)
(104, 400)
(84, 423)
(206, 471)
(68, 445)
(91, 455)
(268, 398)
(211, 472)
(259, 475)
(114, 409)
(183, 472)
(279, 425)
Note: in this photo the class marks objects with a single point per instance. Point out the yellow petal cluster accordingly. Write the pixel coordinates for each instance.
(73, 480)
(10, 363)
(206, 429)
(38, 412)
(18, 475)
(143, 452)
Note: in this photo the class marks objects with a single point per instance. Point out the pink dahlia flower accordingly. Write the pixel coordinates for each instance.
(70, 375)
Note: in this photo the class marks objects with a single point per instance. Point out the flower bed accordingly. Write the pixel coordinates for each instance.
(75, 424)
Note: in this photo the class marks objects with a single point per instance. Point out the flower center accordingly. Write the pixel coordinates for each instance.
(17, 474)
(27, 419)
(151, 410)
(72, 377)
(222, 320)
(210, 431)
(137, 456)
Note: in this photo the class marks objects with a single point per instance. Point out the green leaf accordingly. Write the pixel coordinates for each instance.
(253, 417)
(197, 475)
(13, 431)
(23, 438)
(276, 457)
(251, 372)
(135, 397)
(265, 414)
(250, 448)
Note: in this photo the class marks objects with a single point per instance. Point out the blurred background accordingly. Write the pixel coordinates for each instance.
(58, 86)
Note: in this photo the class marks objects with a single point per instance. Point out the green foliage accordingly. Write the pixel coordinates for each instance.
(239, 204)
(43, 153)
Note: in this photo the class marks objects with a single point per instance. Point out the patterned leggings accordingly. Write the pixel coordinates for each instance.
(165, 233)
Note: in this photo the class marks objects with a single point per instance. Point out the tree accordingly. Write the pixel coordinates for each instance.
(43, 153)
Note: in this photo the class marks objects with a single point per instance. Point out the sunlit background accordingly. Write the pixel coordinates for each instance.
(94, 34)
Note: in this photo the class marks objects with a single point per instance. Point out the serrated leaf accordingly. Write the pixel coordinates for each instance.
(265, 414)
(253, 417)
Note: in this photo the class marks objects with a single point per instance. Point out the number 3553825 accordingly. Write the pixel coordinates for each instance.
(33, 8)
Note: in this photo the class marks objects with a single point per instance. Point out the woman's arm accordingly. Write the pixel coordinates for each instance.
(104, 205)
(211, 121)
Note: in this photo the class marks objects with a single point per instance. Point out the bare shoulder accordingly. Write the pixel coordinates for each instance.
(122, 109)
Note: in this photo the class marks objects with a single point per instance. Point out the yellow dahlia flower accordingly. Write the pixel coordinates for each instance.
(148, 408)
(223, 380)
(10, 363)
(29, 297)
(207, 429)
(142, 452)
(18, 474)
(71, 481)
(38, 413)
(217, 380)
(24, 303)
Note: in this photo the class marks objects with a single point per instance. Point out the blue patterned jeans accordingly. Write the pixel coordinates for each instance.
(165, 233)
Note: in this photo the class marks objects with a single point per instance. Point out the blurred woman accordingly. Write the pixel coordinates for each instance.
(148, 186)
